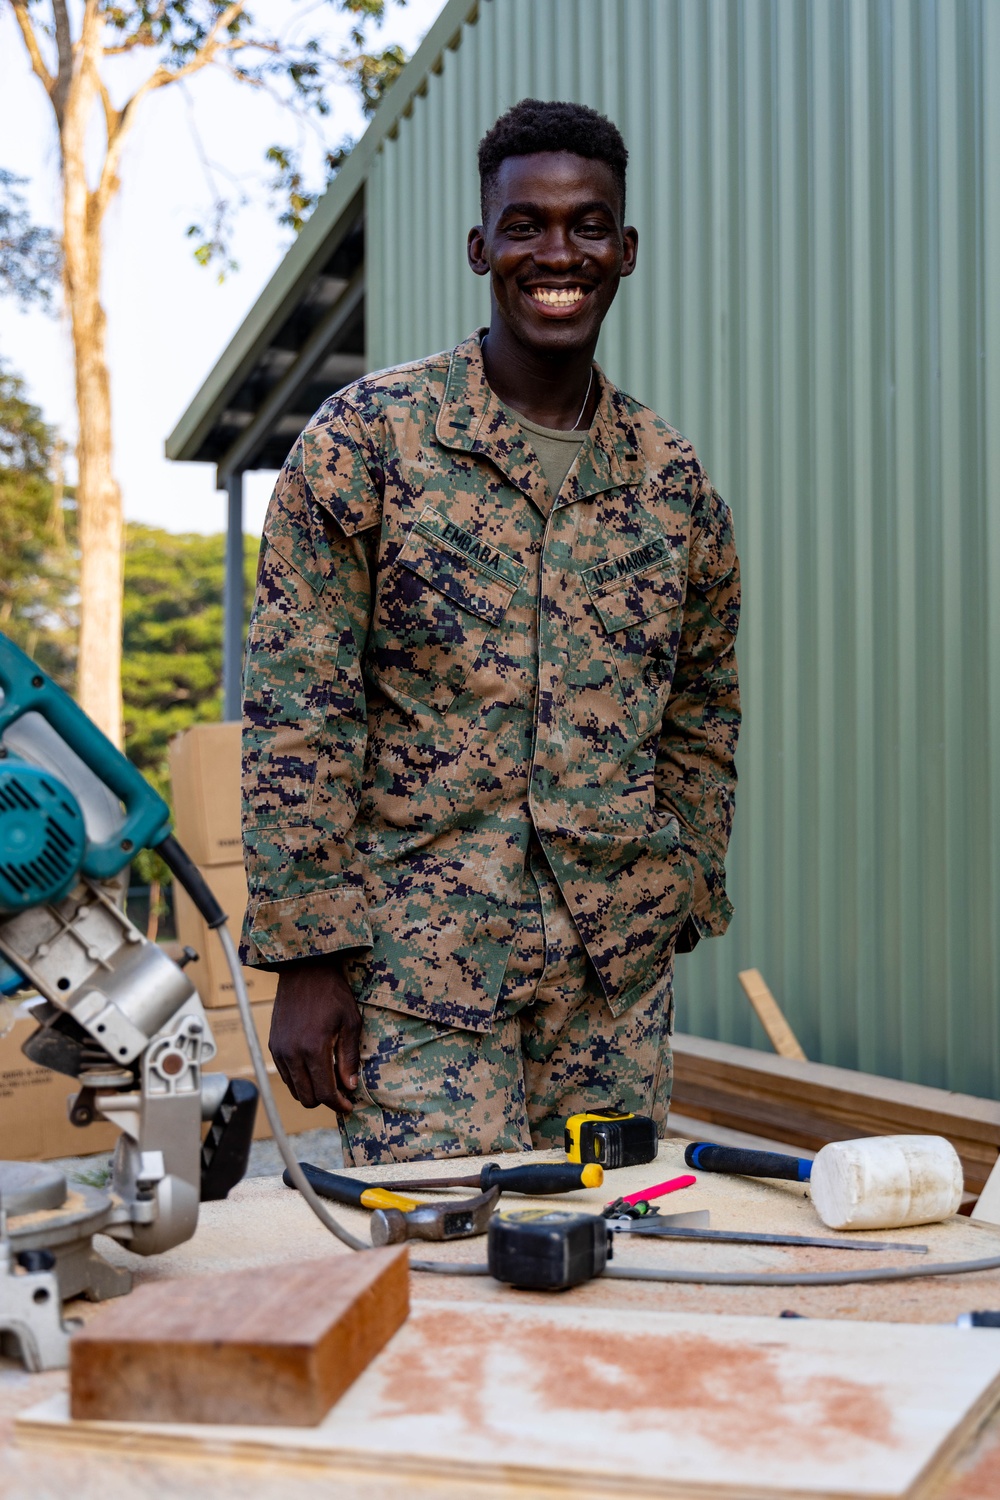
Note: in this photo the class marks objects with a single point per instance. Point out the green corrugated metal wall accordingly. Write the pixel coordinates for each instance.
(816, 185)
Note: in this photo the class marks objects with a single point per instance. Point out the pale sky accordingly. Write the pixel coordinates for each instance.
(168, 319)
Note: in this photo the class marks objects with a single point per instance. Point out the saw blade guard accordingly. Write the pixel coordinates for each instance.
(45, 829)
(146, 821)
(32, 739)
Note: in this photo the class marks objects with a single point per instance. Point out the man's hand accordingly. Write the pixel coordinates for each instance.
(316, 1035)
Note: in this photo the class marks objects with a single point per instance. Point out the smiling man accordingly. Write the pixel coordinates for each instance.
(491, 703)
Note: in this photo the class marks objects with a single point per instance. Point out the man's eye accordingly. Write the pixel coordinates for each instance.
(593, 229)
(524, 227)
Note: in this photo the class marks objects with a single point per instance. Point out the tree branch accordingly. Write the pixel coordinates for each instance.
(112, 116)
(143, 37)
(64, 52)
(34, 51)
(158, 79)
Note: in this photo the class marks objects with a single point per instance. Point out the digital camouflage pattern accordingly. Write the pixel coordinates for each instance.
(441, 657)
(426, 1090)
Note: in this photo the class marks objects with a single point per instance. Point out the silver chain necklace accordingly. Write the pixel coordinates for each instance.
(586, 398)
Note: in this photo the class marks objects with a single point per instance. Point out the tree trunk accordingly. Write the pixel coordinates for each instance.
(153, 917)
(99, 508)
(98, 498)
(57, 520)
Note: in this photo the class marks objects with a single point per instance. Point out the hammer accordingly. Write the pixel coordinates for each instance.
(397, 1218)
(434, 1221)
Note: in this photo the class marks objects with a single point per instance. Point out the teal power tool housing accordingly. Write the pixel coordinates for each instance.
(116, 1014)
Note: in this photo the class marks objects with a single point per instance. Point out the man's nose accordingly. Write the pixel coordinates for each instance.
(555, 249)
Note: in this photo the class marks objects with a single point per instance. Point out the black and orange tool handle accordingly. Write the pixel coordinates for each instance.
(703, 1156)
(541, 1179)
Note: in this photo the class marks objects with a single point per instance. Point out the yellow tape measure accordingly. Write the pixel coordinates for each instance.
(610, 1138)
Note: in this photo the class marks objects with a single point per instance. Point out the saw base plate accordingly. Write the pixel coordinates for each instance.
(45, 1213)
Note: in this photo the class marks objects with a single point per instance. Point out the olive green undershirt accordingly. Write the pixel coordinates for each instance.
(556, 450)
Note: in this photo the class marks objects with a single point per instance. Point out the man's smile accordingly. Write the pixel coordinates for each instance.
(559, 298)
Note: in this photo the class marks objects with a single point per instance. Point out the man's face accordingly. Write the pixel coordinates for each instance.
(554, 248)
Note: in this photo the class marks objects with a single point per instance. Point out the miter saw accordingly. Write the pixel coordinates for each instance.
(114, 1013)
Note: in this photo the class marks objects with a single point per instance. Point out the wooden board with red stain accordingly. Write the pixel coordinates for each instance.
(514, 1398)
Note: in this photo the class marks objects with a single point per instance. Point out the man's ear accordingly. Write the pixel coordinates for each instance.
(475, 249)
(630, 238)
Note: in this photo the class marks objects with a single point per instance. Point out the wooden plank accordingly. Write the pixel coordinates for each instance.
(551, 1397)
(987, 1207)
(277, 1345)
(689, 1129)
(770, 1015)
(809, 1104)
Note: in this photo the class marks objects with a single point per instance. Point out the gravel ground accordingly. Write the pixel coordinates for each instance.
(321, 1147)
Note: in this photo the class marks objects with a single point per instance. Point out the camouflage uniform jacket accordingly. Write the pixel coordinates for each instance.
(440, 657)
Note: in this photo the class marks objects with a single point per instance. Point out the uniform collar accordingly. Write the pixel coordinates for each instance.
(473, 420)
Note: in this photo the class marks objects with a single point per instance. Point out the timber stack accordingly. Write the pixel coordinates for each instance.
(809, 1104)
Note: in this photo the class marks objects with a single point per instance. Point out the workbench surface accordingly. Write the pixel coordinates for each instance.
(264, 1223)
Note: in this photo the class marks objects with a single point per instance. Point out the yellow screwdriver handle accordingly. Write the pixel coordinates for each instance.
(382, 1198)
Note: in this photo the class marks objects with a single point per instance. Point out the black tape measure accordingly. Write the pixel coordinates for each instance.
(545, 1249)
(611, 1138)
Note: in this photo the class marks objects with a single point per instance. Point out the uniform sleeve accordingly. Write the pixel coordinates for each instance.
(305, 722)
(695, 770)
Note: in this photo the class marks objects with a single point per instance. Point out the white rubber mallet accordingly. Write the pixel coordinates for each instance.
(879, 1182)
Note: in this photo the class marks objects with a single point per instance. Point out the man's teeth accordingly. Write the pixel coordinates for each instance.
(558, 298)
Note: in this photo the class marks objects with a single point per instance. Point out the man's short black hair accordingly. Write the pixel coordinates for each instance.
(540, 125)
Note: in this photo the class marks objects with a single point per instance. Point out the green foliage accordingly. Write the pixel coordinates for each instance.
(178, 29)
(172, 666)
(300, 74)
(213, 239)
(26, 440)
(96, 1176)
(374, 72)
(37, 580)
(172, 659)
(29, 256)
(173, 599)
(288, 188)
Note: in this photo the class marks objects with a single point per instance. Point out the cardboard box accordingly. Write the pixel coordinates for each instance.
(210, 975)
(205, 774)
(33, 1121)
(34, 1125)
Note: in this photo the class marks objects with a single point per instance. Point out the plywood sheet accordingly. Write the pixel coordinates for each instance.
(263, 1223)
(514, 1398)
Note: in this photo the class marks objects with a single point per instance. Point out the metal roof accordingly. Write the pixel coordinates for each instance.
(305, 335)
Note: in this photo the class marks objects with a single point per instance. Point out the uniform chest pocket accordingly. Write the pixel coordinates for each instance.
(438, 604)
(639, 597)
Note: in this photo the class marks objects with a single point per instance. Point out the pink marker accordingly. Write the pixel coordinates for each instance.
(661, 1190)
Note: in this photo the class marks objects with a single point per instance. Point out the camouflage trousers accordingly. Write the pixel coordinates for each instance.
(426, 1090)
